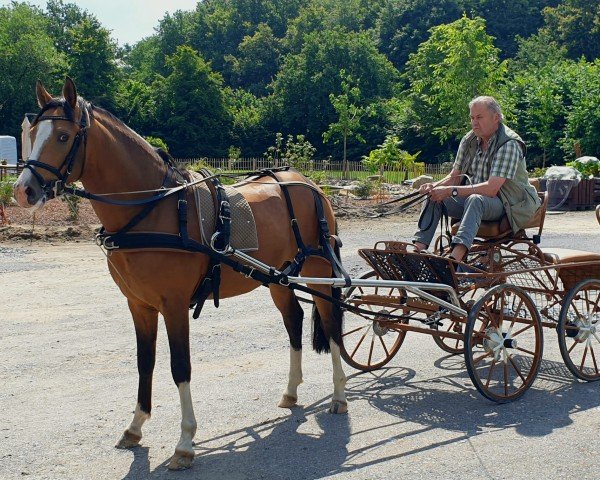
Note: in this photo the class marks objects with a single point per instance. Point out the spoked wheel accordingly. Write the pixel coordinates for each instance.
(504, 343)
(455, 325)
(450, 345)
(579, 330)
(367, 341)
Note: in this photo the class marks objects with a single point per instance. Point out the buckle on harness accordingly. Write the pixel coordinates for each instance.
(106, 242)
(226, 249)
(57, 188)
(224, 207)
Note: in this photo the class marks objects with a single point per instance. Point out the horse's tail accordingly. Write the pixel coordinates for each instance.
(320, 338)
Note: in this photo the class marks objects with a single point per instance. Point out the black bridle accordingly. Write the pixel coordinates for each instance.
(55, 187)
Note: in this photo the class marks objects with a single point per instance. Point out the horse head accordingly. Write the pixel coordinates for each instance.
(58, 136)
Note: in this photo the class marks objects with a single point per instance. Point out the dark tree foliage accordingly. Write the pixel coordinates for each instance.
(575, 24)
(300, 100)
(505, 19)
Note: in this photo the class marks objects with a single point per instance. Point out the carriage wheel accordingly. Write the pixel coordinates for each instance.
(579, 330)
(450, 345)
(368, 343)
(504, 343)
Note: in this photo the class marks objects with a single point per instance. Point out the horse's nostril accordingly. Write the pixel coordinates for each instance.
(28, 191)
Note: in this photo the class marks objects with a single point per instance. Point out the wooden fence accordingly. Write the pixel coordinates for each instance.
(332, 169)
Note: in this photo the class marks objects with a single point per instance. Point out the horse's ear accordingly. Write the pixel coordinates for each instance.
(70, 92)
(43, 97)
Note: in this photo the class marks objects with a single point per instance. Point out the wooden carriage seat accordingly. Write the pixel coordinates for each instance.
(501, 228)
(559, 255)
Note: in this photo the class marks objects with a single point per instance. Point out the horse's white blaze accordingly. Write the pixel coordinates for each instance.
(44, 132)
(188, 420)
(295, 376)
(139, 417)
(339, 378)
(26, 178)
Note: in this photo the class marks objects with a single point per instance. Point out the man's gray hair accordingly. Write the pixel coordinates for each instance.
(489, 102)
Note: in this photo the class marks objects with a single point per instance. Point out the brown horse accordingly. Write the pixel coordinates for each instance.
(74, 140)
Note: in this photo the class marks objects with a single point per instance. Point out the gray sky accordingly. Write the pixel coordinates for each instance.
(129, 20)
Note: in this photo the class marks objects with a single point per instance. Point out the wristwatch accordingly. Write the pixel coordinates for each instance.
(454, 192)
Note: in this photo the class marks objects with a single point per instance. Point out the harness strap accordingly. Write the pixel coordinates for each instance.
(219, 241)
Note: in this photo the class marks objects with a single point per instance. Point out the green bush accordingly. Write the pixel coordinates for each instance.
(6, 190)
(589, 167)
(157, 142)
(364, 188)
(317, 176)
(73, 203)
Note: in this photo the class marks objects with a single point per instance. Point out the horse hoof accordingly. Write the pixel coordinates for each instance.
(287, 401)
(181, 461)
(128, 440)
(338, 407)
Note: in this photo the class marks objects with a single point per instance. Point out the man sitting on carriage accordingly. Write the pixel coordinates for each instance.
(488, 180)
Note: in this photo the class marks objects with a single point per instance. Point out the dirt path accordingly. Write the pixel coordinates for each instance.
(68, 383)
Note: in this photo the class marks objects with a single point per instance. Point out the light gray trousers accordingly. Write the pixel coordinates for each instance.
(471, 210)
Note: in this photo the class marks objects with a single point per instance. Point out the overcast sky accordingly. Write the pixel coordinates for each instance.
(129, 20)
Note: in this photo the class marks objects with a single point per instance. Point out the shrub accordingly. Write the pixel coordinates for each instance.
(157, 142)
(364, 189)
(73, 202)
(6, 190)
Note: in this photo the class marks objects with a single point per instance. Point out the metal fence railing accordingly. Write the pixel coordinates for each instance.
(332, 169)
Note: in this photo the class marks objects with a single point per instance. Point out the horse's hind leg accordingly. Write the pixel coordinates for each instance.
(291, 311)
(178, 329)
(145, 320)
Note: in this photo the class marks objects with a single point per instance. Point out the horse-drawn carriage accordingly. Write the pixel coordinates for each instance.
(506, 292)
(492, 307)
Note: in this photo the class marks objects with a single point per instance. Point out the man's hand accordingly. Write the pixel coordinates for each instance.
(439, 194)
(426, 188)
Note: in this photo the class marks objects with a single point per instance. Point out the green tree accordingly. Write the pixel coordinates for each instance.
(389, 154)
(191, 108)
(457, 63)
(247, 113)
(350, 112)
(508, 19)
(257, 61)
(539, 98)
(403, 25)
(28, 53)
(90, 51)
(575, 24)
(300, 101)
(583, 117)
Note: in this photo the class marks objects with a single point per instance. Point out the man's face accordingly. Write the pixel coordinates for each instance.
(484, 122)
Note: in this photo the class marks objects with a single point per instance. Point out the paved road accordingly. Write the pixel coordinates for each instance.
(68, 383)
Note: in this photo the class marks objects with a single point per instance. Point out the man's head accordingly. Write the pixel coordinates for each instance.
(486, 115)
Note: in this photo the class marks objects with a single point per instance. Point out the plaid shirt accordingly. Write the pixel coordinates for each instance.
(504, 164)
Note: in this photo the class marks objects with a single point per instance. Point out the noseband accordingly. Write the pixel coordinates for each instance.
(56, 187)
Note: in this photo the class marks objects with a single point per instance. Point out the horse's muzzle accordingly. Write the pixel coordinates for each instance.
(27, 191)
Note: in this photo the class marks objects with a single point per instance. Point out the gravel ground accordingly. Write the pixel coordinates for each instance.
(68, 386)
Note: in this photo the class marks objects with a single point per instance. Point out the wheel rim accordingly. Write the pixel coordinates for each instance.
(454, 346)
(504, 343)
(579, 330)
(368, 342)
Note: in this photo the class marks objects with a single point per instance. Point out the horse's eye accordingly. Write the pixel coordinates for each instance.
(63, 137)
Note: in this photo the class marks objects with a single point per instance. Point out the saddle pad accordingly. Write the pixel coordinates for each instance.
(243, 227)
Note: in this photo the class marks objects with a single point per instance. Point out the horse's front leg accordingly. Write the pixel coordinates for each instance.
(291, 311)
(178, 330)
(145, 320)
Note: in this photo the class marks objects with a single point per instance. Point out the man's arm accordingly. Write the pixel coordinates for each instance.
(489, 189)
(453, 178)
